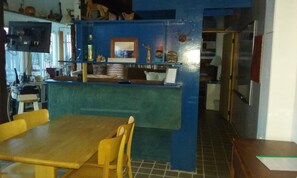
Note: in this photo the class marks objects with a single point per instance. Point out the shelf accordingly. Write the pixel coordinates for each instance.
(151, 37)
(113, 82)
(88, 62)
(90, 22)
(206, 57)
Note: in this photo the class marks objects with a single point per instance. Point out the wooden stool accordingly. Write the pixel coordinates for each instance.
(27, 98)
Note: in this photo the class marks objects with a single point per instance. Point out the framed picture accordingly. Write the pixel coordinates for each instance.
(124, 48)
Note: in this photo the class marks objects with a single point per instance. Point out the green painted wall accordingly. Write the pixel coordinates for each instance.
(153, 107)
(156, 108)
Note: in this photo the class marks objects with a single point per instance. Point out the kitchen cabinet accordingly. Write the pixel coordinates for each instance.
(245, 163)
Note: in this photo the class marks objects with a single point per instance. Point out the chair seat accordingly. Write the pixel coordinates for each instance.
(15, 170)
(109, 150)
(93, 161)
(18, 170)
(87, 171)
(27, 98)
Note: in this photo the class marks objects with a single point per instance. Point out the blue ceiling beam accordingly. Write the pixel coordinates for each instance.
(141, 5)
(218, 12)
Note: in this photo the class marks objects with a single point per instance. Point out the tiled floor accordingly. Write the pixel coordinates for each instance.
(213, 153)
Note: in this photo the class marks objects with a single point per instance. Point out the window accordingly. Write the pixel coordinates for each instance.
(13, 61)
(40, 61)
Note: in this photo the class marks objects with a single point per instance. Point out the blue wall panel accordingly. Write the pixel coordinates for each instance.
(189, 16)
(184, 141)
(147, 33)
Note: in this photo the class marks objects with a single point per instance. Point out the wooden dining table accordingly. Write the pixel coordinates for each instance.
(65, 142)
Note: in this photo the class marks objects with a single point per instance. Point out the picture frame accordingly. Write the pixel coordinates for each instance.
(170, 78)
(123, 49)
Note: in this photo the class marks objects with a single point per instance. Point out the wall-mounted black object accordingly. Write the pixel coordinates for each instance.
(29, 36)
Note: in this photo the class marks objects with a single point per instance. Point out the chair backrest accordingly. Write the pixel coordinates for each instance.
(34, 118)
(110, 150)
(129, 128)
(12, 128)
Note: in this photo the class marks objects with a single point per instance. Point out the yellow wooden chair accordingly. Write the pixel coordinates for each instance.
(109, 150)
(31, 119)
(14, 170)
(34, 118)
(11, 129)
(129, 127)
(127, 156)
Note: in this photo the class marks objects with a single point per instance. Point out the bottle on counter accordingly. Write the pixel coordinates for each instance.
(90, 48)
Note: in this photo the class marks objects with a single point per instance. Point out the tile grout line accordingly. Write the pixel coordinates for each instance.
(138, 168)
(214, 156)
(202, 151)
(151, 173)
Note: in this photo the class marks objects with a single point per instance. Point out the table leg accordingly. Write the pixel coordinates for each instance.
(45, 171)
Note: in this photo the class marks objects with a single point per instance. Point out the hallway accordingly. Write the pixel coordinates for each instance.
(214, 145)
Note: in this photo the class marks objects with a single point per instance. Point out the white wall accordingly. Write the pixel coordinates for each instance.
(265, 69)
(294, 130)
(43, 7)
(279, 73)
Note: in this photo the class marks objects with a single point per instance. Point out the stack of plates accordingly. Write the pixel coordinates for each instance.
(99, 69)
(116, 69)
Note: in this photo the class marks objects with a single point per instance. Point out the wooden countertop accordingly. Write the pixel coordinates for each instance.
(246, 151)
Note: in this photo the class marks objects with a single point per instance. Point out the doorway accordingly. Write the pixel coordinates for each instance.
(216, 72)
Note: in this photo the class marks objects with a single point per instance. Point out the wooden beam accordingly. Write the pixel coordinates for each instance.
(61, 46)
(217, 30)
